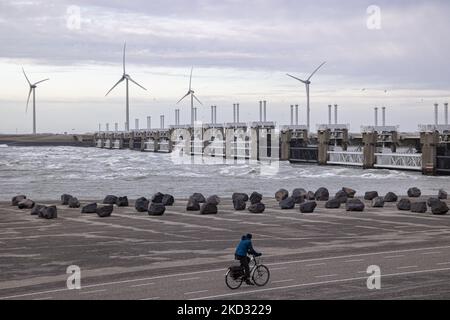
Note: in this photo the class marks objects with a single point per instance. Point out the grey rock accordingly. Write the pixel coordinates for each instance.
(122, 201)
(390, 197)
(310, 196)
(156, 209)
(239, 204)
(378, 202)
(281, 194)
(157, 197)
(322, 194)
(370, 195)
(193, 204)
(404, 205)
(199, 197)
(48, 212)
(414, 192)
(442, 195)
(349, 191)
(440, 208)
(299, 195)
(141, 204)
(168, 200)
(287, 203)
(26, 204)
(354, 205)
(432, 201)
(308, 207)
(214, 199)
(341, 196)
(255, 197)
(15, 200)
(208, 208)
(419, 207)
(257, 208)
(240, 196)
(74, 203)
(110, 200)
(104, 211)
(90, 208)
(65, 198)
(333, 204)
(36, 209)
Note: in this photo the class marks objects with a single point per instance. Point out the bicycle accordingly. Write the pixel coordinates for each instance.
(259, 274)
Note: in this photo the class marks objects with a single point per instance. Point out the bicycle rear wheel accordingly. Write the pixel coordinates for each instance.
(231, 282)
(261, 275)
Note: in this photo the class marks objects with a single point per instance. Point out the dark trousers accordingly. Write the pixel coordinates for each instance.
(244, 263)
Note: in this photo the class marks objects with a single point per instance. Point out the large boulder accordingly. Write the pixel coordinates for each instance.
(199, 197)
(240, 196)
(255, 197)
(390, 197)
(378, 202)
(208, 208)
(322, 194)
(442, 195)
(239, 204)
(122, 201)
(168, 200)
(281, 194)
(110, 200)
(439, 208)
(213, 200)
(15, 200)
(419, 207)
(36, 209)
(156, 209)
(310, 196)
(349, 192)
(48, 212)
(404, 205)
(308, 206)
(257, 208)
(141, 204)
(333, 204)
(414, 192)
(74, 203)
(193, 204)
(26, 204)
(341, 196)
(299, 195)
(287, 203)
(104, 211)
(157, 197)
(90, 208)
(432, 201)
(65, 198)
(370, 195)
(354, 205)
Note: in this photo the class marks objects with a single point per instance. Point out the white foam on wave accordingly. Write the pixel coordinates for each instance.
(3, 146)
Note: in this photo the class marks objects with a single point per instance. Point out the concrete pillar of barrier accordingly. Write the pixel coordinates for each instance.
(429, 142)
(345, 139)
(285, 139)
(254, 143)
(370, 144)
(395, 141)
(323, 137)
(229, 146)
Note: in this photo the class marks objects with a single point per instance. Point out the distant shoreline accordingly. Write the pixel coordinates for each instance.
(47, 140)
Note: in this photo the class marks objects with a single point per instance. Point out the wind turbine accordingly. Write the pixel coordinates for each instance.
(192, 94)
(307, 82)
(127, 78)
(33, 87)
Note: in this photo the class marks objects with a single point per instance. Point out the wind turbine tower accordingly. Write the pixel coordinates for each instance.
(33, 87)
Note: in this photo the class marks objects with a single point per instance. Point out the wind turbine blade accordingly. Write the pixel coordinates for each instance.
(41, 81)
(316, 70)
(190, 79)
(197, 99)
(28, 80)
(28, 100)
(124, 48)
(296, 78)
(137, 84)
(184, 97)
(121, 79)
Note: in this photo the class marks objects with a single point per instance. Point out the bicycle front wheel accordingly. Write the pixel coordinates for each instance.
(231, 282)
(261, 275)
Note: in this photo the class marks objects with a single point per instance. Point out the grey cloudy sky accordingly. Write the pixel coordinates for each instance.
(241, 51)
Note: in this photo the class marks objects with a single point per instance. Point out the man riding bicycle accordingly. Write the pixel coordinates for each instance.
(245, 247)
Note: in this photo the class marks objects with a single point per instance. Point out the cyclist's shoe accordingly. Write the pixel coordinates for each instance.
(248, 282)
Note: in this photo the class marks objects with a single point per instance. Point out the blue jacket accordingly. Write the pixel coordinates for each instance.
(244, 247)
